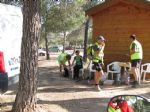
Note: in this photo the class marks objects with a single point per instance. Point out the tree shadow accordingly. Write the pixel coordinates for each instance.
(80, 105)
(76, 105)
(68, 90)
(45, 74)
(49, 79)
(127, 87)
(73, 105)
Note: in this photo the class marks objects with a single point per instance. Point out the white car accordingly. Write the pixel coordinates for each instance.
(41, 52)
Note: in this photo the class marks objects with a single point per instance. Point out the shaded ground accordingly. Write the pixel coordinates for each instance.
(58, 94)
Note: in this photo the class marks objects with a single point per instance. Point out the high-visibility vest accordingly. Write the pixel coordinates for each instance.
(62, 57)
(138, 50)
(111, 109)
(100, 56)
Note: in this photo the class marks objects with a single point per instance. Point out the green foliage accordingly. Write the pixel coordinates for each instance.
(91, 3)
(76, 36)
(61, 18)
(65, 16)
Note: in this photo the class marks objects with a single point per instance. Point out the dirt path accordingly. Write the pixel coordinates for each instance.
(58, 94)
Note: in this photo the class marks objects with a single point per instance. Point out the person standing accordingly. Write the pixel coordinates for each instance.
(97, 60)
(78, 64)
(136, 54)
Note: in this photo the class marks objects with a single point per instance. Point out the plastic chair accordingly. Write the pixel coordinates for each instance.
(147, 70)
(113, 68)
(80, 71)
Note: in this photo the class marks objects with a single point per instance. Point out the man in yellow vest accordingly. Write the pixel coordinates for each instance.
(97, 60)
(136, 53)
(62, 59)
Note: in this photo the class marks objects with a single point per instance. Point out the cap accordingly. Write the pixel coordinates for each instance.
(133, 36)
(101, 38)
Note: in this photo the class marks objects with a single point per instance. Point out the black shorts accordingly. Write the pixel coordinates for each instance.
(136, 63)
(97, 66)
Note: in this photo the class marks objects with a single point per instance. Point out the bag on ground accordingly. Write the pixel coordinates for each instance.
(66, 72)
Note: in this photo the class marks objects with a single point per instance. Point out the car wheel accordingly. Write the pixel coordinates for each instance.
(41, 54)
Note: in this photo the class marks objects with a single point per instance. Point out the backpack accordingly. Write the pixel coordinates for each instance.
(66, 72)
(90, 52)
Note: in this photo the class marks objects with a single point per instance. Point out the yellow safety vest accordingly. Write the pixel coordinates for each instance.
(110, 109)
(138, 50)
(100, 56)
(62, 57)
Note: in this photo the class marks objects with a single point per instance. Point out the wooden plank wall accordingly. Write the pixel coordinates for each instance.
(116, 24)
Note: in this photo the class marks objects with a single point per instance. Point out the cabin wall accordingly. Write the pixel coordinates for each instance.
(116, 24)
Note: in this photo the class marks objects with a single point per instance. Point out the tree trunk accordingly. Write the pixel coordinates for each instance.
(64, 43)
(46, 45)
(86, 39)
(26, 96)
(46, 39)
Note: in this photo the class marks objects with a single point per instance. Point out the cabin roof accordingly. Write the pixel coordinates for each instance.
(145, 4)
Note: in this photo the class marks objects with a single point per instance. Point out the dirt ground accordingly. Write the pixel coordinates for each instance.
(59, 94)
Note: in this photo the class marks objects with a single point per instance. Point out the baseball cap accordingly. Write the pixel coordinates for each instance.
(133, 36)
(101, 38)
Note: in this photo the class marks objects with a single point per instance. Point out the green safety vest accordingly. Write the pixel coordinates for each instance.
(138, 50)
(101, 54)
(62, 57)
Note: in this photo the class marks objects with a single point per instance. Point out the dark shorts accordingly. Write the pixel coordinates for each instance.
(97, 66)
(136, 63)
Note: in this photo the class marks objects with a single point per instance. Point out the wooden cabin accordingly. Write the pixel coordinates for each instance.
(116, 20)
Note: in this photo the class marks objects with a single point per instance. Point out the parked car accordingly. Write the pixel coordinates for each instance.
(41, 52)
(60, 47)
(57, 48)
(68, 48)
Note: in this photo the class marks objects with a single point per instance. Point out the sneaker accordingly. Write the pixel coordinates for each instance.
(97, 88)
